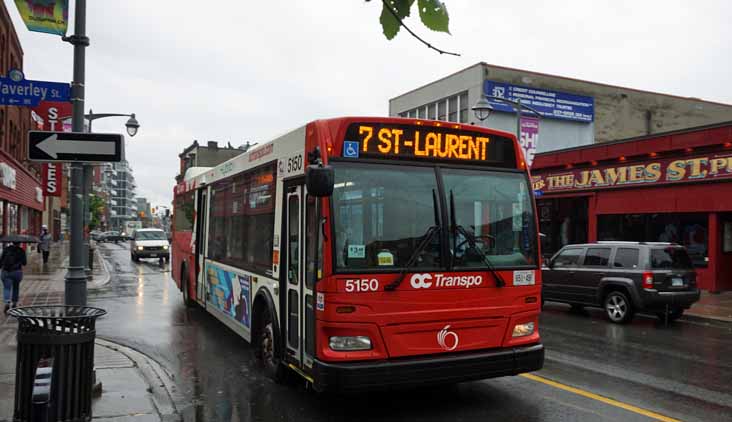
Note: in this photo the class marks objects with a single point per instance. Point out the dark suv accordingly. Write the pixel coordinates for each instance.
(622, 277)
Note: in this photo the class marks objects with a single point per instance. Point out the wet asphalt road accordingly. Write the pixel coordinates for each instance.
(679, 372)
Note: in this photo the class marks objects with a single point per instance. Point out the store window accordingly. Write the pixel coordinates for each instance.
(687, 229)
(563, 221)
(24, 223)
(12, 219)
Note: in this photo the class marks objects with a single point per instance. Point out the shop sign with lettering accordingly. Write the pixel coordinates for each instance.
(657, 172)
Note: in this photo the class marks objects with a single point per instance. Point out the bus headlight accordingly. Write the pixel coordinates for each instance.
(165, 247)
(139, 248)
(350, 343)
(523, 330)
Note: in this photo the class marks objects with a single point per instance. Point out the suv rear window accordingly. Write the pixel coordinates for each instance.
(626, 258)
(670, 258)
(597, 257)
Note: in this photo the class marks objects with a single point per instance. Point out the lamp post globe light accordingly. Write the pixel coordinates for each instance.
(132, 124)
(483, 109)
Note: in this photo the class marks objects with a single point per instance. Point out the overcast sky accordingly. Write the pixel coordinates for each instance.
(232, 70)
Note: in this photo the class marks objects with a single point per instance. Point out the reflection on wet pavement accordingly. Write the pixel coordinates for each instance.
(217, 380)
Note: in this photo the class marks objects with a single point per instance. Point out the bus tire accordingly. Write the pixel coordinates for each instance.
(265, 346)
(190, 303)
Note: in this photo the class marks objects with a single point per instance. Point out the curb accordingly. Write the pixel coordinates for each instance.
(107, 275)
(159, 382)
(705, 319)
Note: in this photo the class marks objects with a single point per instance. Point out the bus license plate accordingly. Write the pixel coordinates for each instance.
(523, 278)
(677, 282)
(153, 255)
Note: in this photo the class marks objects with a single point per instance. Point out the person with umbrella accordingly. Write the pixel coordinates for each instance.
(12, 260)
(44, 243)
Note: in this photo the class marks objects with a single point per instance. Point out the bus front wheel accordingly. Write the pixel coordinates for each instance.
(266, 349)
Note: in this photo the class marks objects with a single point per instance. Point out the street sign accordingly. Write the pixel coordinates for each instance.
(17, 91)
(75, 147)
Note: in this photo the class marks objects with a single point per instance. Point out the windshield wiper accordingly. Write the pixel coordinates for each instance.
(471, 241)
(413, 258)
(423, 244)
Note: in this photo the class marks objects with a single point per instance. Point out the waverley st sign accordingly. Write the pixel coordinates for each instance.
(18, 91)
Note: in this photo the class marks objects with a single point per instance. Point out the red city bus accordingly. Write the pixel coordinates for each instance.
(369, 252)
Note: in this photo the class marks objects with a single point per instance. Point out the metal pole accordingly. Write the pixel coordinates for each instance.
(75, 288)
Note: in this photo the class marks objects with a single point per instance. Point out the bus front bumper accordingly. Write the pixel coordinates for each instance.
(428, 370)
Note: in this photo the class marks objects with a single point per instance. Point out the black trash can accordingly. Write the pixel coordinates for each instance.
(66, 334)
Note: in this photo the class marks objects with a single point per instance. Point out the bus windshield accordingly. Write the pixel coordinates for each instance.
(382, 212)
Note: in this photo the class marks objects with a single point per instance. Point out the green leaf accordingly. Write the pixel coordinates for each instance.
(389, 23)
(434, 15)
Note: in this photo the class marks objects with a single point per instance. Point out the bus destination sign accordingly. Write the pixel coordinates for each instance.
(421, 142)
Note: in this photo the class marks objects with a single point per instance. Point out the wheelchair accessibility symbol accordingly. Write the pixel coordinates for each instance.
(350, 149)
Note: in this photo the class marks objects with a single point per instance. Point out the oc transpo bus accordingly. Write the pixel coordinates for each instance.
(369, 252)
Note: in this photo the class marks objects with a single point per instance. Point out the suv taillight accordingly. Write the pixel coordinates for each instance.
(647, 280)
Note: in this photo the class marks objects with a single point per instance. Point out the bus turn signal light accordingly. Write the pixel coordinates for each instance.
(345, 309)
(530, 299)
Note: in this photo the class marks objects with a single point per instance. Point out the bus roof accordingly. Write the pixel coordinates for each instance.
(293, 143)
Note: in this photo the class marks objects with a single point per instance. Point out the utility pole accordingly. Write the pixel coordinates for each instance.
(75, 286)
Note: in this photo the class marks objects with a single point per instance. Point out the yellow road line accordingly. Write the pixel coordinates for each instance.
(593, 396)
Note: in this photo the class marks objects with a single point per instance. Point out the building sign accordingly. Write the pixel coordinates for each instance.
(680, 170)
(7, 176)
(529, 137)
(550, 104)
(15, 90)
(39, 194)
(52, 173)
(414, 142)
(48, 16)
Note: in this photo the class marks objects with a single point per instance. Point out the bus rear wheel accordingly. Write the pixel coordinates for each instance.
(184, 288)
(266, 350)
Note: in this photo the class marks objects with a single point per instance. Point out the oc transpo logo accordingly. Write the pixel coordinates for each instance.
(420, 281)
(448, 340)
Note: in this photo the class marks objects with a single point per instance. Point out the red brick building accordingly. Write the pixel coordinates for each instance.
(669, 187)
(21, 198)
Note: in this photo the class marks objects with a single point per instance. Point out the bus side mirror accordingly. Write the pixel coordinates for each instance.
(319, 180)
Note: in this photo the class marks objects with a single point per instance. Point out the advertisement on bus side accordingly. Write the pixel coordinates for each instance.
(230, 293)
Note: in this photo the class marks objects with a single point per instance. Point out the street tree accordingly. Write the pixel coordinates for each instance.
(432, 13)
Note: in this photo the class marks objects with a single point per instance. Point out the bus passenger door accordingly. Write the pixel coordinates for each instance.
(200, 252)
(293, 269)
(300, 319)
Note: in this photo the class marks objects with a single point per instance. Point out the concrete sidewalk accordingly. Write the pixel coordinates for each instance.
(717, 306)
(132, 389)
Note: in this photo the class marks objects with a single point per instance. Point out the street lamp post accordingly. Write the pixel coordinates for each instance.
(132, 126)
(483, 109)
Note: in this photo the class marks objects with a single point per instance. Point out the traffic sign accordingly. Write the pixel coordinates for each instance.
(75, 147)
(18, 91)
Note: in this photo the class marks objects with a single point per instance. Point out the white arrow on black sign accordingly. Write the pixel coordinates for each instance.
(75, 147)
(52, 146)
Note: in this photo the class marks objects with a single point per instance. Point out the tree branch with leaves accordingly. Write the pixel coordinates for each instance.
(432, 13)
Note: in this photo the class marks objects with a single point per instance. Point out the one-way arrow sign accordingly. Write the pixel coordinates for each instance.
(75, 147)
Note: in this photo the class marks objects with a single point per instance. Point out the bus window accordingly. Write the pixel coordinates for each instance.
(183, 215)
(382, 212)
(495, 209)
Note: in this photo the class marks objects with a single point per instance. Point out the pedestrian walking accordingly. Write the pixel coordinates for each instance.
(12, 261)
(44, 244)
